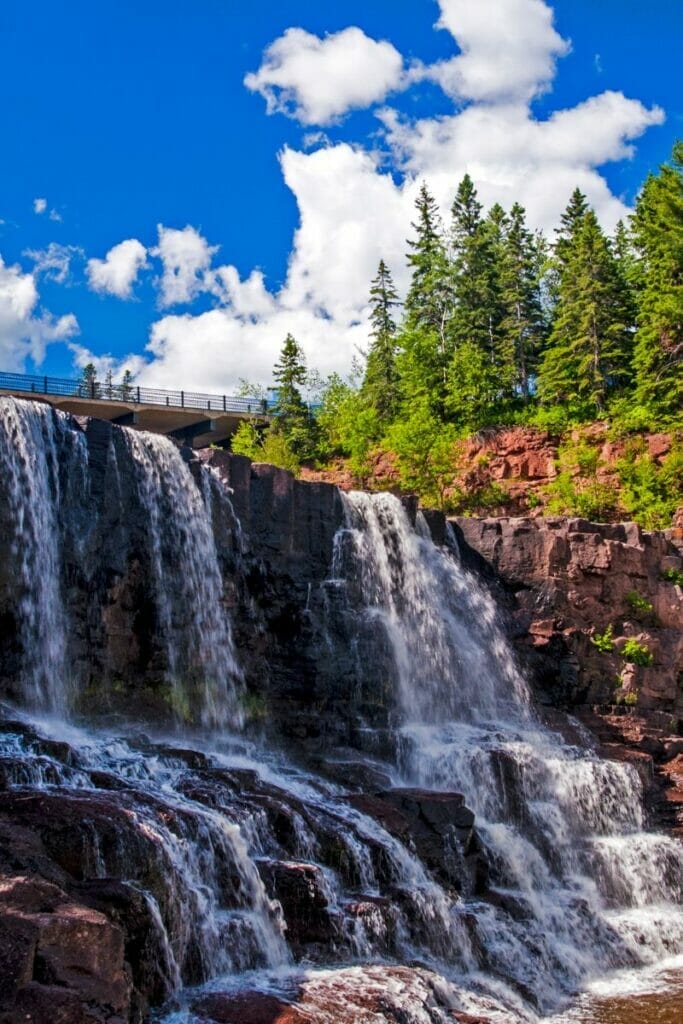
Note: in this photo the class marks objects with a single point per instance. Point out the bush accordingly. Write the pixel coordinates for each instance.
(631, 698)
(604, 641)
(673, 576)
(640, 605)
(651, 493)
(636, 653)
(576, 490)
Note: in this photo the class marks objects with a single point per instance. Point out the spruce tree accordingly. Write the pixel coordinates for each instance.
(380, 387)
(424, 344)
(479, 367)
(658, 229)
(89, 385)
(523, 326)
(291, 415)
(473, 244)
(570, 222)
(588, 352)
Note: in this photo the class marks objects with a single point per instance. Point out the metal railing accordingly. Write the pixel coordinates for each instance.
(132, 394)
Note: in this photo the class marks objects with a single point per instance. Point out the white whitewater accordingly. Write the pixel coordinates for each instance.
(33, 439)
(193, 625)
(590, 890)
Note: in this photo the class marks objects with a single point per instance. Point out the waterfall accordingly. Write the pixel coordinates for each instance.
(33, 442)
(202, 667)
(44, 502)
(589, 889)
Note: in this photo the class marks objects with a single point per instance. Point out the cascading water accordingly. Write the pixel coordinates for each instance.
(33, 442)
(202, 667)
(563, 829)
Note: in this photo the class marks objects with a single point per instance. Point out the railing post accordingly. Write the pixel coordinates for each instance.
(138, 394)
(209, 405)
(182, 399)
(224, 405)
(44, 385)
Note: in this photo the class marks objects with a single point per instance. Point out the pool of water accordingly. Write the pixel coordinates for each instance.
(655, 999)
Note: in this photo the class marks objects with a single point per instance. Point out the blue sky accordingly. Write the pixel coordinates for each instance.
(126, 117)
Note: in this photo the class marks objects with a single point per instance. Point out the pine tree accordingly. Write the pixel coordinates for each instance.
(127, 386)
(570, 222)
(588, 352)
(291, 415)
(523, 326)
(89, 385)
(658, 229)
(473, 245)
(380, 386)
(479, 371)
(423, 362)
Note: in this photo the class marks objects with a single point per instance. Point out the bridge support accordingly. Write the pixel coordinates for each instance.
(193, 430)
(126, 419)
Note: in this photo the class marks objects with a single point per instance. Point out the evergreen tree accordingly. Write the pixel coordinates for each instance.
(589, 347)
(291, 415)
(570, 222)
(473, 248)
(524, 325)
(658, 229)
(127, 386)
(424, 341)
(89, 385)
(381, 382)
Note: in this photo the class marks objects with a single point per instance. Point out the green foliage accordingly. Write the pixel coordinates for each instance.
(380, 388)
(639, 604)
(247, 441)
(488, 498)
(588, 351)
(650, 493)
(349, 424)
(292, 420)
(674, 576)
(269, 446)
(604, 641)
(658, 230)
(576, 489)
(636, 653)
(631, 698)
(426, 453)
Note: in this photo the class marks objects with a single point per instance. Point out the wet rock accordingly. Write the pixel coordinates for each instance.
(247, 1008)
(302, 893)
(54, 947)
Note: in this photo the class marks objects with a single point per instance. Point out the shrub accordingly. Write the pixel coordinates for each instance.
(640, 605)
(673, 576)
(651, 493)
(631, 698)
(604, 641)
(636, 653)
(576, 489)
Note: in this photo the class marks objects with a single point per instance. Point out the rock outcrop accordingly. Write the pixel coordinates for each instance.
(569, 582)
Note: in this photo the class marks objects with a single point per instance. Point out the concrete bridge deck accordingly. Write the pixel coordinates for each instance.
(197, 419)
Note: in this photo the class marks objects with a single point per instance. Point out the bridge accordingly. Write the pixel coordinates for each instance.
(196, 419)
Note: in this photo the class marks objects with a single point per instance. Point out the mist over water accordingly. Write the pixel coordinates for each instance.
(578, 887)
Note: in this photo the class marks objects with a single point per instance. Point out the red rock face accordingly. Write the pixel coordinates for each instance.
(59, 961)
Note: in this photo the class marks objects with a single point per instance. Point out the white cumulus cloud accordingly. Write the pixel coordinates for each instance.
(185, 257)
(39, 205)
(317, 80)
(117, 272)
(25, 331)
(508, 49)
